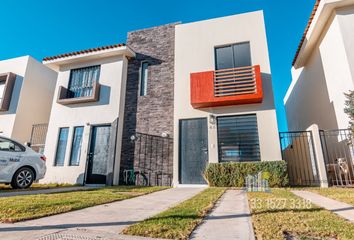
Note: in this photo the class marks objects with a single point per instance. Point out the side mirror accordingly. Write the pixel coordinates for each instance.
(28, 144)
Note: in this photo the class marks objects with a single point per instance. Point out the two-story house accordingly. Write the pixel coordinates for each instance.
(83, 140)
(175, 98)
(223, 97)
(26, 94)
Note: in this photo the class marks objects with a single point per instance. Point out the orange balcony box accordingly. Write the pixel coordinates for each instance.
(226, 87)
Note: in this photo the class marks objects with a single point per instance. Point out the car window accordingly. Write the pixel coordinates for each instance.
(10, 146)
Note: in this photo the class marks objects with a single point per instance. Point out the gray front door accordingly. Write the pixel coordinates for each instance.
(193, 150)
(98, 155)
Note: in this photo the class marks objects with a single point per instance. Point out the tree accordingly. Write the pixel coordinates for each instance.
(349, 108)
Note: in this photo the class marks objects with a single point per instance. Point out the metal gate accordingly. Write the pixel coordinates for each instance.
(38, 137)
(337, 149)
(153, 161)
(298, 151)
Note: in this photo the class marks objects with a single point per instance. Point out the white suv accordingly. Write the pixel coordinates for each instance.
(20, 165)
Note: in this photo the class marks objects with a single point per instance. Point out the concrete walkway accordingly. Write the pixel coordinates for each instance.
(45, 191)
(342, 209)
(105, 219)
(230, 219)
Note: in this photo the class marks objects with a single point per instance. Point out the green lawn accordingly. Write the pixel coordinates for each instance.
(280, 212)
(178, 222)
(341, 194)
(35, 186)
(19, 208)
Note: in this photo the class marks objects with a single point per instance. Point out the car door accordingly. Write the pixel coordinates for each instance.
(10, 158)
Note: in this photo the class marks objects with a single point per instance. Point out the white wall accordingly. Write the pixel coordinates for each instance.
(346, 21)
(105, 111)
(194, 52)
(35, 100)
(17, 66)
(316, 94)
(31, 97)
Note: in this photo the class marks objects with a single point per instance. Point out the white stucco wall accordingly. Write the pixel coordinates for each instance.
(316, 94)
(194, 52)
(31, 97)
(105, 111)
(346, 21)
(35, 100)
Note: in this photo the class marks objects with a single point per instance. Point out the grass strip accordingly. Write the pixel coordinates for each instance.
(19, 208)
(345, 195)
(178, 222)
(35, 186)
(281, 214)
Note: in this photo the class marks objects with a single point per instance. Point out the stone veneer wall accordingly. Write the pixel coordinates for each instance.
(151, 114)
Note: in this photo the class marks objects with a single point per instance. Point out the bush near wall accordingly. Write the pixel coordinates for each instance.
(234, 174)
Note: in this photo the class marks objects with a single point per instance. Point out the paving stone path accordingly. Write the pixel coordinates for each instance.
(230, 219)
(342, 209)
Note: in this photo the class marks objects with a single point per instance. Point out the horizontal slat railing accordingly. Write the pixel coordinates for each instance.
(235, 81)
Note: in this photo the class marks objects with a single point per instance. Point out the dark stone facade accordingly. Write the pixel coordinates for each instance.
(152, 114)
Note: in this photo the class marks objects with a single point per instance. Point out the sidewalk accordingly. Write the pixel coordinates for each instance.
(230, 219)
(107, 219)
(342, 209)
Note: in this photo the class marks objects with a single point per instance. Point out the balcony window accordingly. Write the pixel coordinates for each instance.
(83, 87)
(233, 56)
(61, 146)
(238, 138)
(144, 73)
(76, 146)
(82, 81)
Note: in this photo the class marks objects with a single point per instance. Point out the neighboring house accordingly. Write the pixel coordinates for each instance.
(26, 94)
(83, 141)
(323, 69)
(223, 97)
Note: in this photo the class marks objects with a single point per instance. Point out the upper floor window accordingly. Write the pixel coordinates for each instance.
(144, 74)
(82, 81)
(233, 56)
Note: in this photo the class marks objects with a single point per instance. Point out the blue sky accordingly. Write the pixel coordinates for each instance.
(43, 28)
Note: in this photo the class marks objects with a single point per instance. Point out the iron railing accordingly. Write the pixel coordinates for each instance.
(337, 146)
(38, 137)
(235, 81)
(153, 161)
(298, 151)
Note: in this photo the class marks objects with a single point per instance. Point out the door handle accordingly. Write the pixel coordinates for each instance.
(205, 150)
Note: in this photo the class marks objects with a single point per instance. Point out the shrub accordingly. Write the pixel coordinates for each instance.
(234, 174)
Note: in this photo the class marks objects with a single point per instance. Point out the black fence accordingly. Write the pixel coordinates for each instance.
(38, 137)
(337, 146)
(153, 161)
(298, 151)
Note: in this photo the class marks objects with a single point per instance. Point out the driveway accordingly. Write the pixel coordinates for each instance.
(100, 222)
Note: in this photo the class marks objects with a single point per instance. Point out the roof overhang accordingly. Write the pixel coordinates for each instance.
(83, 56)
(323, 14)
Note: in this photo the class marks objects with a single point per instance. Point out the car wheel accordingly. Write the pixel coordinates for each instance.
(23, 178)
